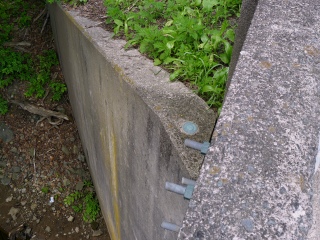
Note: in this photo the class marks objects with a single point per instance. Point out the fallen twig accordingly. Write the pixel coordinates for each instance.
(42, 112)
(13, 44)
(22, 49)
(45, 22)
(43, 11)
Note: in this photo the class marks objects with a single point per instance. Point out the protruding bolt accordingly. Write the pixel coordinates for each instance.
(202, 147)
(185, 191)
(170, 226)
(188, 181)
(172, 187)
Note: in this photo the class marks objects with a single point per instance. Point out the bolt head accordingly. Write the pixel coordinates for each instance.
(190, 128)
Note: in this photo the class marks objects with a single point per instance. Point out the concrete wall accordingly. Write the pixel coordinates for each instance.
(261, 177)
(129, 117)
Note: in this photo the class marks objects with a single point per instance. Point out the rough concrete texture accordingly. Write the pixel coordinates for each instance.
(258, 180)
(129, 118)
(248, 7)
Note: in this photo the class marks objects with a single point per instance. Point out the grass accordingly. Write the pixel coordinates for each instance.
(191, 39)
(17, 65)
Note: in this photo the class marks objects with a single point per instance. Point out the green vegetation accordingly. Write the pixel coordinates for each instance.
(45, 189)
(192, 39)
(85, 202)
(16, 65)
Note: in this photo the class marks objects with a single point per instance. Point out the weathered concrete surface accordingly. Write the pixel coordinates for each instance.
(129, 118)
(258, 180)
(248, 7)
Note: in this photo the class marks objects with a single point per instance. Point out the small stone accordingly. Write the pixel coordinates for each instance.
(15, 176)
(33, 206)
(9, 199)
(28, 231)
(38, 220)
(23, 190)
(16, 169)
(81, 158)
(5, 133)
(81, 172)
(70, 219)
(248, 224)
(75, 149)
(34, 218)
(5, 181)
(48, 229)
(77, 229)
(65, 182)
(97, 233)
(13, 212)
(14, 150)
(65, 150)
(79, 186)
(3, 164)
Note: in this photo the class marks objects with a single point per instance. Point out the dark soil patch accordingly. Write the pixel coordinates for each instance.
(40, 155)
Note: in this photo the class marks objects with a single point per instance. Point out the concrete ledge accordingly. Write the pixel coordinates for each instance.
(258, 180)
(129, 118)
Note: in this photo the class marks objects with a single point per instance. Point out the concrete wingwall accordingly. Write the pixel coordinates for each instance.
(129, 118)
(260, 178)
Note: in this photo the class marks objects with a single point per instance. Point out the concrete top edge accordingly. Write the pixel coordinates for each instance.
(260, 178)
(173, 102)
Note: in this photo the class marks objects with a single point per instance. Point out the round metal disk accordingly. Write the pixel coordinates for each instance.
(190, 128)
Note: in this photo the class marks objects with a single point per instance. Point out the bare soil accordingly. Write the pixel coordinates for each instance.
(43, 156)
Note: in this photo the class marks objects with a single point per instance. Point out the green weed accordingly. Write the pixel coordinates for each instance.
(3, 106)
(84, 202)
(19, 66)
(45, 189)
(192, 39)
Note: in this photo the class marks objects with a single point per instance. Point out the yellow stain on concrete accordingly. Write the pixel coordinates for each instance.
(120, 71)
(115, 187)
(265, 64)
(215, 170)
(312, 51)
(110, 153)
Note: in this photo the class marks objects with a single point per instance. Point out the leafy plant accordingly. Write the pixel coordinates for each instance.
(192, 39)
(45, 189)
(84, 202)
(39, 82)
(71, 198)
(20, 66)
(58, 90)
(3, 106)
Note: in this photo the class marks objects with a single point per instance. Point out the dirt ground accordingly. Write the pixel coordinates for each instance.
(42, 163)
